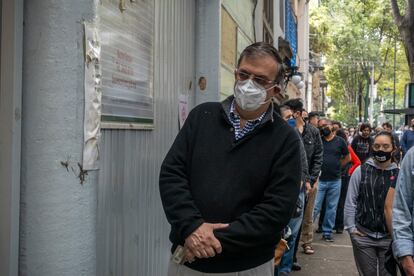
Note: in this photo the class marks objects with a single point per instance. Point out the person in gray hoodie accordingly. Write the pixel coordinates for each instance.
(364, 207)
(403, 215)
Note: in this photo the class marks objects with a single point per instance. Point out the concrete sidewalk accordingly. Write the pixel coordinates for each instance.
(330, 258)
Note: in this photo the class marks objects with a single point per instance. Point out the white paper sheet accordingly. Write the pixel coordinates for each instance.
(93, 98)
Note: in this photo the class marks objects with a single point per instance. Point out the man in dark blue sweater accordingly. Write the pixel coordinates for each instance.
(407, 140)
(230, 181)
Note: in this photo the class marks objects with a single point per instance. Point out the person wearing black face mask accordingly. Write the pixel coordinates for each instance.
(335, 156)
(367, 220)
(362, 143)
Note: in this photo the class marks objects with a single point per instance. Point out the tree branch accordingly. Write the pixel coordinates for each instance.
(383, 65)
(384, 12)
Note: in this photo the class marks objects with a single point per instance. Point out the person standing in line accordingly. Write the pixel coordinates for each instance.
(286, 262)
(313, 118)
(346, 172)
(365, 206)
(230, 180)
(335, 156)
(335, 127)
(351, 135)
(305, 116)
(397, 153)
(407, 140)
(362, 143)
(402, 215)
(313, 153)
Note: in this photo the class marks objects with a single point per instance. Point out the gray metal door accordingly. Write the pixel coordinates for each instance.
(132, 232)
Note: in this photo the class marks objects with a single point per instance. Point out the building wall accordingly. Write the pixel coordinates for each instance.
(207, 40)
(237, 32)
(279, 20)
(131, 226)
(303, 43)
(57, 213)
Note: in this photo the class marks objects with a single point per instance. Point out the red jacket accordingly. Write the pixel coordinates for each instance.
(354, 160)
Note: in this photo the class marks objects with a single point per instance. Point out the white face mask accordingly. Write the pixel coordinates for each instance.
(249, 95)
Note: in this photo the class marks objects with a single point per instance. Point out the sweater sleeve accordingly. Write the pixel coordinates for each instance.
(317, 159)
(402, 210)
(354, 143)
(176, 197)
(351, 200)
(354, 160)
(263, 223)
(404, 142)
(305, 167)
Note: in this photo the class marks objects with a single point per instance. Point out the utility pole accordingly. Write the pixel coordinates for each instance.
(371, 98)
(366, 97)
(360, 102)
(393, 96)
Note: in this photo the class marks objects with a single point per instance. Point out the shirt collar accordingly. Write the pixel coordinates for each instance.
(233, 114)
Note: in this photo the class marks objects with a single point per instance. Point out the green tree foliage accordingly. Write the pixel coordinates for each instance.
(353, 36)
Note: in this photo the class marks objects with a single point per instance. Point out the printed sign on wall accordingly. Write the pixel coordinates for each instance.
(127, 63)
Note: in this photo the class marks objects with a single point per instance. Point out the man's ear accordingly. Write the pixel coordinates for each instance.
(277, 92)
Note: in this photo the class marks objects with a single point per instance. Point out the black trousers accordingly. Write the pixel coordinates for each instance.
(339, 221)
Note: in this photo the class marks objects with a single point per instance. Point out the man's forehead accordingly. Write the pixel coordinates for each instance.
(325, 122)
(259, 63)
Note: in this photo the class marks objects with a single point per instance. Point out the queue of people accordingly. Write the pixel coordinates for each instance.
(253, 173)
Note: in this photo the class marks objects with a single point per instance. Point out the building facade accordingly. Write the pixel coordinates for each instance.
(93, 94)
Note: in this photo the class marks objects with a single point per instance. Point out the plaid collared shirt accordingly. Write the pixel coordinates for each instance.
(248, 127)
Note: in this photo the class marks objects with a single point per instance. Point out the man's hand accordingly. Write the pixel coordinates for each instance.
(408, 265)
(308, 187)
(189, 256)
(356, 232)
(202, 243)
(315, 186)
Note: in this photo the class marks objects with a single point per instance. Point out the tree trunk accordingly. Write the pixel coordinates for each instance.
(408, 38)
(405, 26)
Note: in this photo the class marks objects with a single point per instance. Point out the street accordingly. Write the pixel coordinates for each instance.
(329, 259)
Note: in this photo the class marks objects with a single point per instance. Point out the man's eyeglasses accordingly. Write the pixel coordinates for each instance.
(243, 75)
(378, 146)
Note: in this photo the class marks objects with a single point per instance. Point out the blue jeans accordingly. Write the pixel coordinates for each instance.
(294, 224)
(331, 190)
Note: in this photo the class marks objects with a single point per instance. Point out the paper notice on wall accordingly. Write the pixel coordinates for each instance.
(127, 41)
(93, 97)
(182, 109)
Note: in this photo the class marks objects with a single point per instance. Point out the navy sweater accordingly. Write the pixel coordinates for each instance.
(252, 183)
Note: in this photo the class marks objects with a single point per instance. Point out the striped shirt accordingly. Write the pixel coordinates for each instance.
(248, 127)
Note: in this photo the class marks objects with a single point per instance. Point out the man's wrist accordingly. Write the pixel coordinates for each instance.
(407, 257)
(406, 260)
